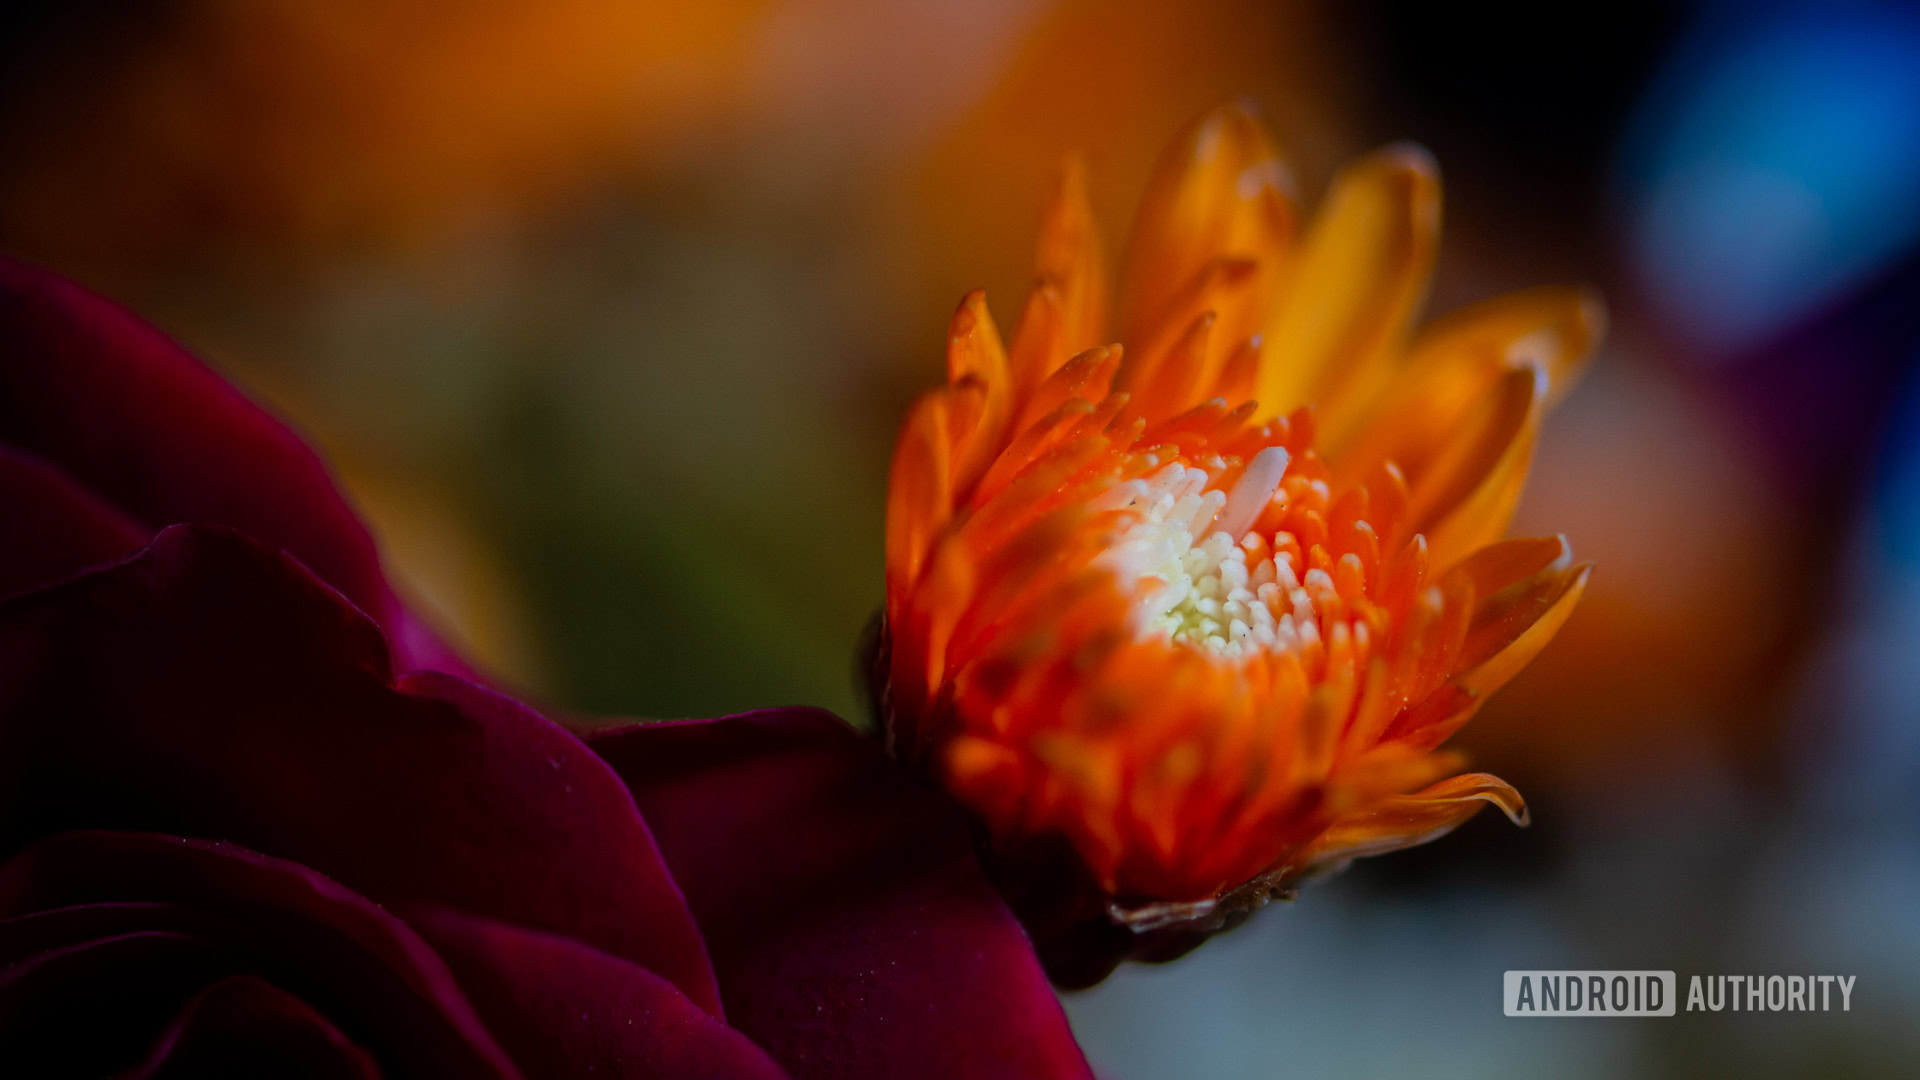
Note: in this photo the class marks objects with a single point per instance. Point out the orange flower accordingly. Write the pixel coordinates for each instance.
(1206, 607)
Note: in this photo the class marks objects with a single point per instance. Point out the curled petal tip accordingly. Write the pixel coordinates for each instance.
(1411, 157)
(1415, 167)
(968, 315)
(1514, 805)
(1238, 119)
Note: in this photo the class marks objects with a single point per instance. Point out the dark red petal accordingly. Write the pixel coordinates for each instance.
(130, 415)
(92, 1006)
(849, 923)
(564, 1009)
(34, 932)
(212, 687)
(243, 1027)
(77, 895)
(51, 527)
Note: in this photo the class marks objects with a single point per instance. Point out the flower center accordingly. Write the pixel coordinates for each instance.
(1201, 574)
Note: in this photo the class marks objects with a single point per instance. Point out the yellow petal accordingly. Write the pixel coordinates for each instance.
(1220, 192)
(1353, 289)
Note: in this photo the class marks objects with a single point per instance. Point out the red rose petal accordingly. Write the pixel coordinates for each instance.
(850, 926)
(90, 1006)
(564, 1009)
(243, 1027)
(76, 894)
(211, 687)
(53, 528)
(131, 416)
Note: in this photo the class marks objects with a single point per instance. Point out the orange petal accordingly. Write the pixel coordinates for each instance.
(1240, 375)
(1222, 292)
(1510, 627)
(1403, 821)
(1556, 326)
(1451, 361)
(1085, 376)
(926, 622)
(1032, 442)
(1220, 191)
(1456, 367)
(973, 344)
(1531, 590)
(1467, 499)
(1069, 261)
(1179, 380)
(1497, 567)
(1387, 771)
(1462, 436)
(1433, 719)
(988, 774)
(974, 353)
(920, 485)
(1039, 345)
(1353, 289)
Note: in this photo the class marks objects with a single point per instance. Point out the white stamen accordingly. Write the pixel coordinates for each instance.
(1253, 491)
(1221, 588)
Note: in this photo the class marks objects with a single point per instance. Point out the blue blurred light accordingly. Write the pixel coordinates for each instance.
(1897, 490)
(1775, 163)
